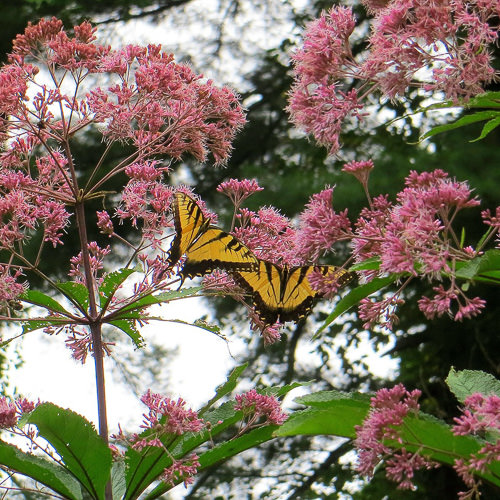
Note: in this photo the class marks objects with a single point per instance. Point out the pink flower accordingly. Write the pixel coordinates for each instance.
(480, 415)
(104, 223)
(238, 191)
(174, 111)
(370, 230)
(178, 418)
(389, 407)
(79, 341)
(8, 413)
(69, 53)
(25, 406)
(382, 313)
(269, 235)
(326, 46)
(256, 406)
(451, 41)
(413, 238)
(439, 304)
(469, 308)
(329, 284)
(181, 470)
(96, 258)
(320, 227)
(271, 333)
(10, 289)
(361, 170)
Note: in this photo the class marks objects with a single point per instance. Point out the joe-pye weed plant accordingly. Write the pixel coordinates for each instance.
(160, 111)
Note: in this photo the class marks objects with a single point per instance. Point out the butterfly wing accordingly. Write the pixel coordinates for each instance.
(189, 223)
(284, 294)
(216, 249)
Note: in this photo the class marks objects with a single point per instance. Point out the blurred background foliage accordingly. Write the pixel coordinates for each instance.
(291, 168)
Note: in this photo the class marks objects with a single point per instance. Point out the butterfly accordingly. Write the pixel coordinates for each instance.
(285, 294)
(206, 246)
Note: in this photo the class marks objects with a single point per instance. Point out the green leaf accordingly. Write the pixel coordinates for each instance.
(461, 122)
(371, 264)
(31, 325)
(229, 449)
(488, 127)
(466, 382)
(83, 452)
(111, 283)
(437, 441)
(41, 470)
(330, 412)
(156, 299)
(485, 100)
(209, 327)
(77, 292)
(485, 268)
(200, 323)
(128, 326)
(354, 296)
(280, 392)
(118, 479)
(40, 299)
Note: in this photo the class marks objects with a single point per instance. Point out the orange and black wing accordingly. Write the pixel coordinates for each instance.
(284, 294)
(216, 249)
(189, 223)
(206, 247)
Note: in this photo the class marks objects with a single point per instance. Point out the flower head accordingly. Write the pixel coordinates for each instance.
(178, 419)
(389, 407)
(239, 191)
(181, 470)
(256, 406)
(320, 227)
(8, 413)
(360, 169)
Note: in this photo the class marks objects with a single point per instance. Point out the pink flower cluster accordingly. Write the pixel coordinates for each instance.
(10, 411)
(165, 420)
(96, 258)
(415, 235)
(273, 237)
(449, 40)
(239, 191)
(181, 470)
(10, 288)
(160, 108)
(320, 227)
(481, 416)
(389, 407)
(166, 416)
(164, 107)
(257, 406)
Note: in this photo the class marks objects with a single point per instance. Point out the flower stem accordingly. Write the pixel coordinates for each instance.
(95, 325)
